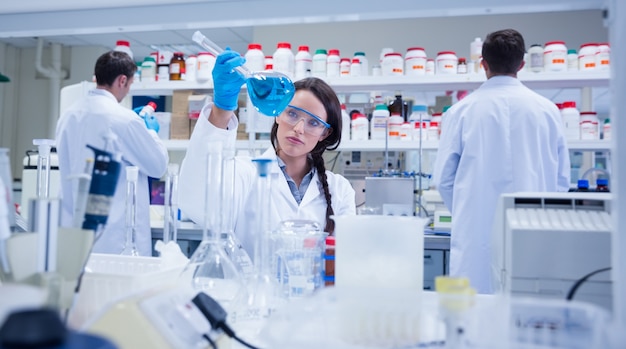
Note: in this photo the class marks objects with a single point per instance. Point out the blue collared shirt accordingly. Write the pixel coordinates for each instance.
(297, 193)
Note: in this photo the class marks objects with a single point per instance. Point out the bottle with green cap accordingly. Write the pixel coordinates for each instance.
(572, 60)
(318, 66)
(606, 129)
(364, 63)
(378, 124)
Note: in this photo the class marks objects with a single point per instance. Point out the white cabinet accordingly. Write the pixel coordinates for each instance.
(566, 80)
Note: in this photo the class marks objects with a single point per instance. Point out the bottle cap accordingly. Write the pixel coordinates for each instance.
(122, 43)
(381, 107)
(254, 46)
(320, 51)
(284, 45)
(303, 48)
(583, 183)
(334, 52)
(330, 240)
(263, 166)
(569, 104)
(602, 181)
(152, 104)
(359, 53)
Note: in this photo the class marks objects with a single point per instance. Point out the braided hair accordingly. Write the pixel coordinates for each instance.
(329, 99)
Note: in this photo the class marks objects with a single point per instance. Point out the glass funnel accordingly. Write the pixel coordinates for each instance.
(270, 92)
(210, 269)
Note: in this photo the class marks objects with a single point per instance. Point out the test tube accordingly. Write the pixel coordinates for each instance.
(130, 248)
(43, 167)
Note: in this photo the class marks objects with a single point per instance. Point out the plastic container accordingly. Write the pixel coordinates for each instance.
(148, 70)
(177, 66)
(255, 58)
(430, 66)
(329, 261)
(319, 63)
(582, 185)
(419, 131)
(602, 185)
(123, 46)
(572, 60)
(606, 129)
(269, 63)
(418, 114)
(345, 123)
(603, 56)
(377, 70)
(571, 120)
(359, 127)
(476, 50)
(589, 125)
(587, 56)
(163, 72)
(433, 130)
(446, 63)
(284, 59)
(415, 61)
(462, 66)
(364, 63)
(148, 109)
(355, 67)
(393, 64)
(191, 68)
(206, 62)
(555, 56)
(535, 57)
(406, 132)
(379, 122)
(110, 277)
(344, 67)
(303, 63)
(333, 62)
(394, 125)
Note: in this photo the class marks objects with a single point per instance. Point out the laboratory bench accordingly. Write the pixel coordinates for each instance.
(436, 248)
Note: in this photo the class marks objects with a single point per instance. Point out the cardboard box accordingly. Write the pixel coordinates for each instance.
(179, 126)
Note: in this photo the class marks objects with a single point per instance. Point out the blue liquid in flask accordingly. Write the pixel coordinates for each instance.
(270, 95)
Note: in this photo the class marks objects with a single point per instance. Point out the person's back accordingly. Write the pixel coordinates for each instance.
(88, 122)
(501, 138)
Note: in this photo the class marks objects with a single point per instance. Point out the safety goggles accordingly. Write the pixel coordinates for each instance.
(313, 125)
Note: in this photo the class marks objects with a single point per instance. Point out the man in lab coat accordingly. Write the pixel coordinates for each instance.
(502, 138)
(88, 121)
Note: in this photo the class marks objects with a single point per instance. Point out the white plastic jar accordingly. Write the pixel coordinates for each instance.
(606, 129)
(123, 46)
(206, 62)
(430, 66)
(304, 62)
(435, 121)
(255, 58)
(446, 63)
(318, 68)
(359, 127)
(284, 59)
(191, 68)
(356, 67)
(379, 122)
(589, 125)
(555, 56)
(433, 131)
(535, 58)
(333, 62)
(344, 67)
(572, 60)
(405, 132)
(394, 125)
(148, 70)
(603, 56)
(393, 64)
(571, 120)
(415, 61)
(587, 56)
(365, 67)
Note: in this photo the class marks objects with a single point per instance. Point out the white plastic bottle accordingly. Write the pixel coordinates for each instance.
(345, 123)
(148, 109)
(123, 46)
(587, 56)
(379, 122)
(405, 132)
(364, 63)
(206, 62)
(476, 53)
(535, 56)
(606, 129)
(148, 70)
(304, 62)
(555, 56)
(571, 120)
(356, 67)
(284, 59)
(191, 68)
(419, 114)
(333, 62)
(359, 128)
(589, 125)
(319, 63)
(394, 125)
(344, 67)
(255, 58)
(415, 61)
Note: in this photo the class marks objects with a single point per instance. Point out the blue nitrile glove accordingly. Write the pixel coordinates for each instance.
(138, 110)
(227, 81)
(152, 123)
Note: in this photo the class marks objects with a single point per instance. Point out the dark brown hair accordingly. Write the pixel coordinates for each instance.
(503, 51)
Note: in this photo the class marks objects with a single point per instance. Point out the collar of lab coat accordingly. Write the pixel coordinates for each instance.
(102, 92)
(500, 80)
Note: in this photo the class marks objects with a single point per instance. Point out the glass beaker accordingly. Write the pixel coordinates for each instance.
(210, 270)
(298, 256)
(270, 92)
(130, 248)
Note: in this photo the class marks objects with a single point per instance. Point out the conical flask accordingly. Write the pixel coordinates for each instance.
(232, 245)
(130, 247)
(210, 270)
(262, 288)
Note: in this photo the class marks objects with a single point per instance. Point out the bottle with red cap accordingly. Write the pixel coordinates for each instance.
(255, 58)
(123, 46)
(304, 62)
(571, 120)
(148, 109)
(284, 60)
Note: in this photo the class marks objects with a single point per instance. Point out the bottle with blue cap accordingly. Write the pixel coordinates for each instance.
(583, 185)
(602, 185)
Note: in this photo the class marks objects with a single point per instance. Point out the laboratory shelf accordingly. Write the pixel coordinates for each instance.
(407, 83)
(379, 145)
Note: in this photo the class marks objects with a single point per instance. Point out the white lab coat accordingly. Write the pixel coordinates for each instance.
(85, 122)
(502, 138)
(283, 205)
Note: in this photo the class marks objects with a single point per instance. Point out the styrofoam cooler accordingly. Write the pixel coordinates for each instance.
(109, 278)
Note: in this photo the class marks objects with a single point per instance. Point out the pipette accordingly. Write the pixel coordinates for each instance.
(270, 92)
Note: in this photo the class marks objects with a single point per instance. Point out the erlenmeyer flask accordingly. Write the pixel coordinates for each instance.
(262, 288)
(232, 245)
(270, 92)
(210, 270)
(130, 248)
